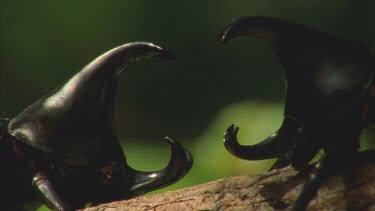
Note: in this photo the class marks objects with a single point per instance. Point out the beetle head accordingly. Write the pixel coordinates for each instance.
(72, 125)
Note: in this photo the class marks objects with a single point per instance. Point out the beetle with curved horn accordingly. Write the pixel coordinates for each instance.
(63, 148)
(329, 100)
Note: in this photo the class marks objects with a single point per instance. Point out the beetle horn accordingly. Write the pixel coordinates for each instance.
(277, 145)
(179, 164)
(85, 101)
(310, 57)
(93, 88)
(274, 145)
(262, 27)
(285, 37)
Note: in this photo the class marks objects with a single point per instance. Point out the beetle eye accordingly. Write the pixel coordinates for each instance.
(109, 173)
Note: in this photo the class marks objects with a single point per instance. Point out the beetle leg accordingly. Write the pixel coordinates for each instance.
(42, 184)
(319, 172)
(280, 163)
(179, 164)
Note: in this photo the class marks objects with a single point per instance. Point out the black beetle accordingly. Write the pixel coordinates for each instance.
(329, 100)
(62, 150)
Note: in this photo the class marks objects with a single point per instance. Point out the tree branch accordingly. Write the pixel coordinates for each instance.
(350, 189)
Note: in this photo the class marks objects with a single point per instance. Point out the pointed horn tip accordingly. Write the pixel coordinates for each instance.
(231, 130)
(240, 26)
(230, 135)
(231, 30)
(173, 143)
(162, 53)
(154, 50)
(169, 140)
(223, 37)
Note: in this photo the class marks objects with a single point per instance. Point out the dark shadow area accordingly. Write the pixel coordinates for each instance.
(355, 193)
(275, 191)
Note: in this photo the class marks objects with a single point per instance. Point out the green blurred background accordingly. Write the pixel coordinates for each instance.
(192, 99)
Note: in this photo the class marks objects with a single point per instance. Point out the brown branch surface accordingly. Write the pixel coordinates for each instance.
(350, 189)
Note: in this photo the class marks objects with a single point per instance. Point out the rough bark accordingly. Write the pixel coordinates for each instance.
(350, 189)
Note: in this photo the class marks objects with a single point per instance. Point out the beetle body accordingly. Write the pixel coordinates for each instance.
(62, 150)
(328, 102)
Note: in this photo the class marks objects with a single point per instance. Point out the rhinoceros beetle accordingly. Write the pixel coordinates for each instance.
(62, 151)
(329, 100)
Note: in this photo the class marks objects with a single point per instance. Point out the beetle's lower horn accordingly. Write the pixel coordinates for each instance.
(179, 164)
(276, 145)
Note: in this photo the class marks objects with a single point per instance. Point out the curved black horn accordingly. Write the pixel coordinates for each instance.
(262, 27)
(307, 53)
(93, 88)
(277, 145)
(179, 164)
(85, 101)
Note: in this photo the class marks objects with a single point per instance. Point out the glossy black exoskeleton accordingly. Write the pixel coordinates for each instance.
(329, 100)
(62, 151)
